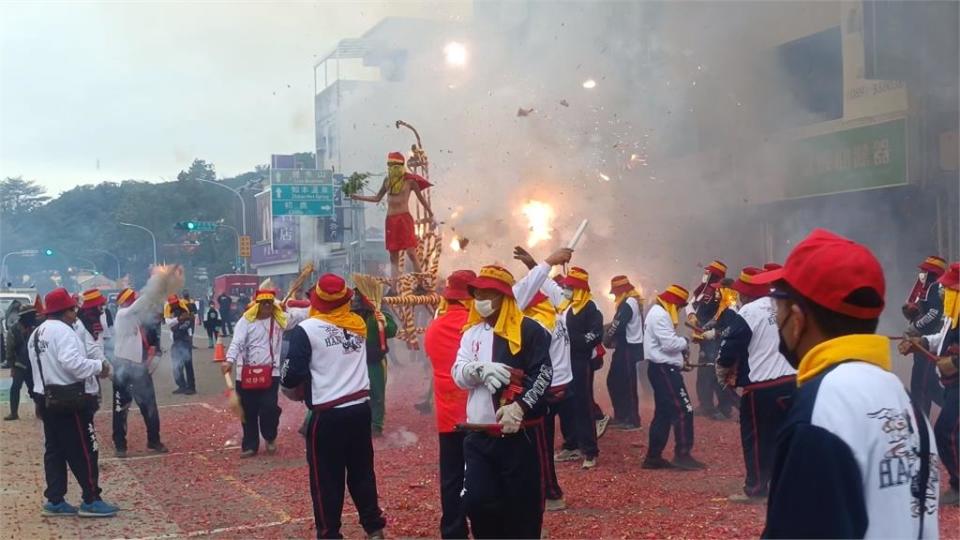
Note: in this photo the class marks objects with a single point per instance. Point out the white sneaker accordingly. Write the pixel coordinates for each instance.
(602, 425)
(555, 505)
(567, 455)
(589, 463)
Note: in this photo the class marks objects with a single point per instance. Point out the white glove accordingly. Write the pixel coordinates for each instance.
(493, 375)
(709, 334)
(510, 417)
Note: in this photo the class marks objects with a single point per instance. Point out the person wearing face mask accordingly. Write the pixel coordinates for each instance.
(543, 308)
(712, 401)
(67, 390)
(946, 346)
(855, 458)
(924, 313)
(585, 326)
(668, 355)
(749, 358)
(441, 341)
(504, 363)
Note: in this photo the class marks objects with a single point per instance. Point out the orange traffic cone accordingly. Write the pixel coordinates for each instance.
(219, 354)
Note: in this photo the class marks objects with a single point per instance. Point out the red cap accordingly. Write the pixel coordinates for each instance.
(717, 269)
(494, 278)
(745, 283)
(58, 300)
(577, 278)
(93, 298)
(827, 268)
(675, 295)
(935, 265)
(330, 293)
(951, 278)
(457, 282)
(395, 158)
(126, 296)
(620, 285)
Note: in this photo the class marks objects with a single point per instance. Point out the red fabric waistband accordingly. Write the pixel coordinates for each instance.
(340, 401)
(792, 379)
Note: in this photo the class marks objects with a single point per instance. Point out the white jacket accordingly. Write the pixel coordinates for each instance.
(63, 358)
(252, 344)
(661, 344)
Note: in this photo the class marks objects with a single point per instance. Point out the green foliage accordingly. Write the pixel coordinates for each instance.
(356, 183)
(18, 196)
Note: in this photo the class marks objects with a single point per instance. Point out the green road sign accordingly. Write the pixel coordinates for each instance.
(302, 192)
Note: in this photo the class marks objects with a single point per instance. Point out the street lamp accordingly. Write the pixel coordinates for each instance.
(23, 253)
(152, 236)
(243, 209)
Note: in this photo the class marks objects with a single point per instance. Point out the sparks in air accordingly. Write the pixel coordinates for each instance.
(604, 177)
(539, 217)
(458, 244)
(455, 54)
(589, 83)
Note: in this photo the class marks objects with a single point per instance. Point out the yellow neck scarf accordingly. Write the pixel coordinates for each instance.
(951, 306)
(869, 348)
(278, 314)
(578, 302)
(621, 298)
(672, 309)
(344, 318)
(728, 298)
(544, 313)
(168, 310)
(508, 322)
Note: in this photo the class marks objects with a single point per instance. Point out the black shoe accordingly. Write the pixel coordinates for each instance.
(11, 416)
(120, 453)
(190, 391)
(687, 463)
(656, 463)
(179, 391)
(424, 407)
(159, 448)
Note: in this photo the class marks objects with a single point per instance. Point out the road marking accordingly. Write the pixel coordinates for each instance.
(221, 530)
(170, 454)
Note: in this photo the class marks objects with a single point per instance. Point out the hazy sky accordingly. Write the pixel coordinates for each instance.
(144, 88)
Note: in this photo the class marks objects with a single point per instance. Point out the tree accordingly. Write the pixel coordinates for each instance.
(199, 169)
(18, 195)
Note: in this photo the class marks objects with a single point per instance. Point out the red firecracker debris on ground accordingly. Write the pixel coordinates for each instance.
(203, 489)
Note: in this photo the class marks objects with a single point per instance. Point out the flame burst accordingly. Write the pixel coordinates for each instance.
(458, 243)
(539, 221)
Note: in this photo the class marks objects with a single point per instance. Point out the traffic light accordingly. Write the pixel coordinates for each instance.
(189, 226)
(244, 247)
(48, 252)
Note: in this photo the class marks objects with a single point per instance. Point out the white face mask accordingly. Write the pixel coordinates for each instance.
(568, 294)
(922, 277)
(484, 307)
(704, 279)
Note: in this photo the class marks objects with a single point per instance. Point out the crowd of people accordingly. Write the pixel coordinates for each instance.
(827, 429)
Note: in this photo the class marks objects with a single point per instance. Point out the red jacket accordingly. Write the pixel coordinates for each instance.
(441, 341)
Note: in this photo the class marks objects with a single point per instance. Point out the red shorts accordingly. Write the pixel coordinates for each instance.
(400, 233)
